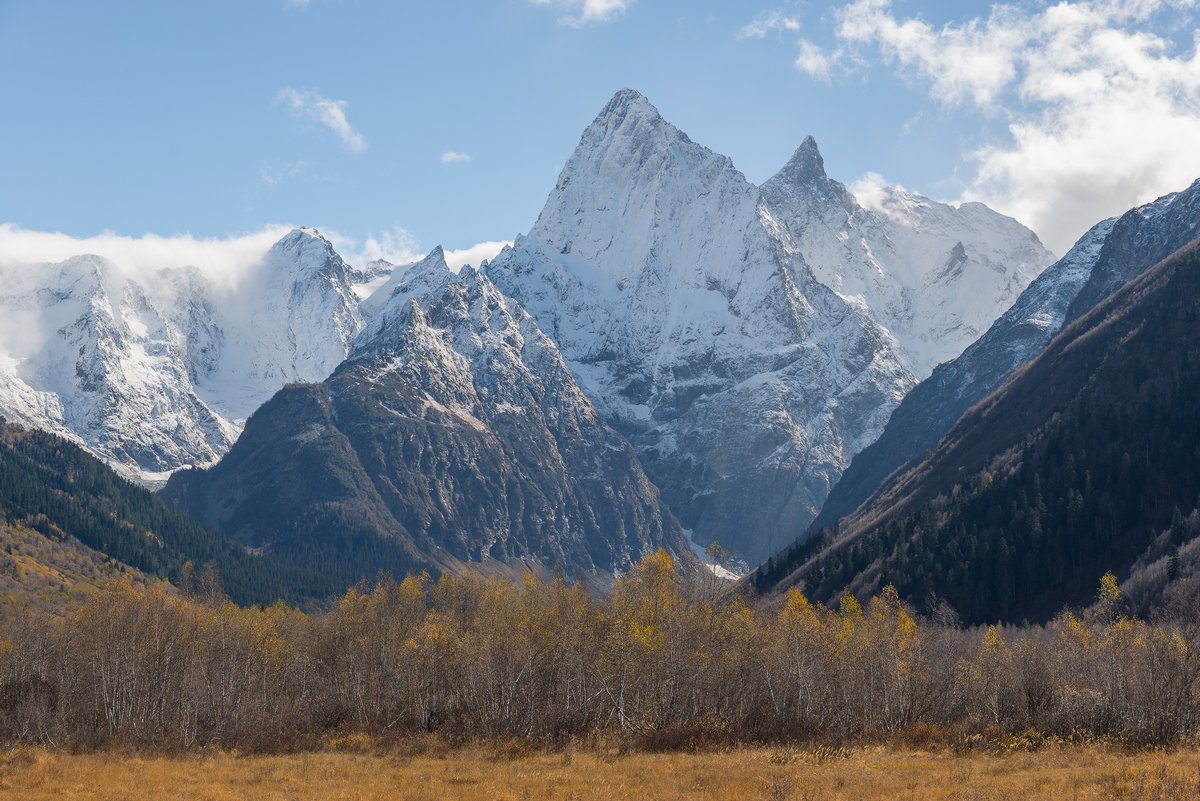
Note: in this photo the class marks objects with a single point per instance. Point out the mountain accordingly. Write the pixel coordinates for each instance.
(454, 432)
(747, 341)
(66, 515)
(934, 275)
(291, 317)
(1071, 469)
(153, 371)
(1106, 257)
(685, 304)
(372, 275)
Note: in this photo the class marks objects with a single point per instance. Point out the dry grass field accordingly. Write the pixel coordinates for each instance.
(772, 774)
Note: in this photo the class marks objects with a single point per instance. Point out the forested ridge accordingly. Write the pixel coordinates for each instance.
(1105, 457)
(54, 487)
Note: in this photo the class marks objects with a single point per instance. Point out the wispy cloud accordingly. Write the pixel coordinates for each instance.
(272, 174)
(455, 157)
(1101, 101)
(766, 23)
(815, 61)
(329, 113)
(577, 13)
(397, 245)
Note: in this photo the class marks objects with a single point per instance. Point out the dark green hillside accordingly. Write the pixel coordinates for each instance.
(56, 488)
(1069, 470)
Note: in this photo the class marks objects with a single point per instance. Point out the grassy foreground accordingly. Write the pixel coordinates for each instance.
(776, 774)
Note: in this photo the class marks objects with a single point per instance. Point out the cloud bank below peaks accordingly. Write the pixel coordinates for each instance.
(223, 260)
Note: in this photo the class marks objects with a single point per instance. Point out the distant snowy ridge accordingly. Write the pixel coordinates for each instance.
(155, 371)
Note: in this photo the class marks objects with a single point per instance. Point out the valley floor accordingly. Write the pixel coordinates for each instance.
(774, 774)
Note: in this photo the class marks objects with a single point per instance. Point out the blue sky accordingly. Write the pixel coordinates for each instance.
(217, 118)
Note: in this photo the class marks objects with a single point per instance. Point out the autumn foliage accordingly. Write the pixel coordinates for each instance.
(657, 662)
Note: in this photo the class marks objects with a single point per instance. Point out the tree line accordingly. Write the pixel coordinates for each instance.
(657, 661)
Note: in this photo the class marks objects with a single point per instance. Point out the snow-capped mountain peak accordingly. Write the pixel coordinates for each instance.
(935, 276)
(155, 370)
(304, 254)
(391, 301)
(627, 109)
(682, 305)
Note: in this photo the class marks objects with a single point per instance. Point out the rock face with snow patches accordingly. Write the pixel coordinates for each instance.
(686, 303)
(89, 356)
(156, 371)
(455, 428)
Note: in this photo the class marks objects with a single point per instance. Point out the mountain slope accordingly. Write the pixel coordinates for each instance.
(1111, 249)
(1069, 470)
(52, 487)
(53, 571)
(685, 304)
(453, 433)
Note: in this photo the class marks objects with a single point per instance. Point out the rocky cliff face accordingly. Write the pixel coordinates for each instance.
(456, 429)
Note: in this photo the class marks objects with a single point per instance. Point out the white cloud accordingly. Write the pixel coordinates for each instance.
(766, 23)
(330, 113)
(455, 157)
(871, 191)
(222, 259)
(815, 61)
(578, 13)
(475, 254)
(1102, 107)
(972, 61)
(399, 246)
